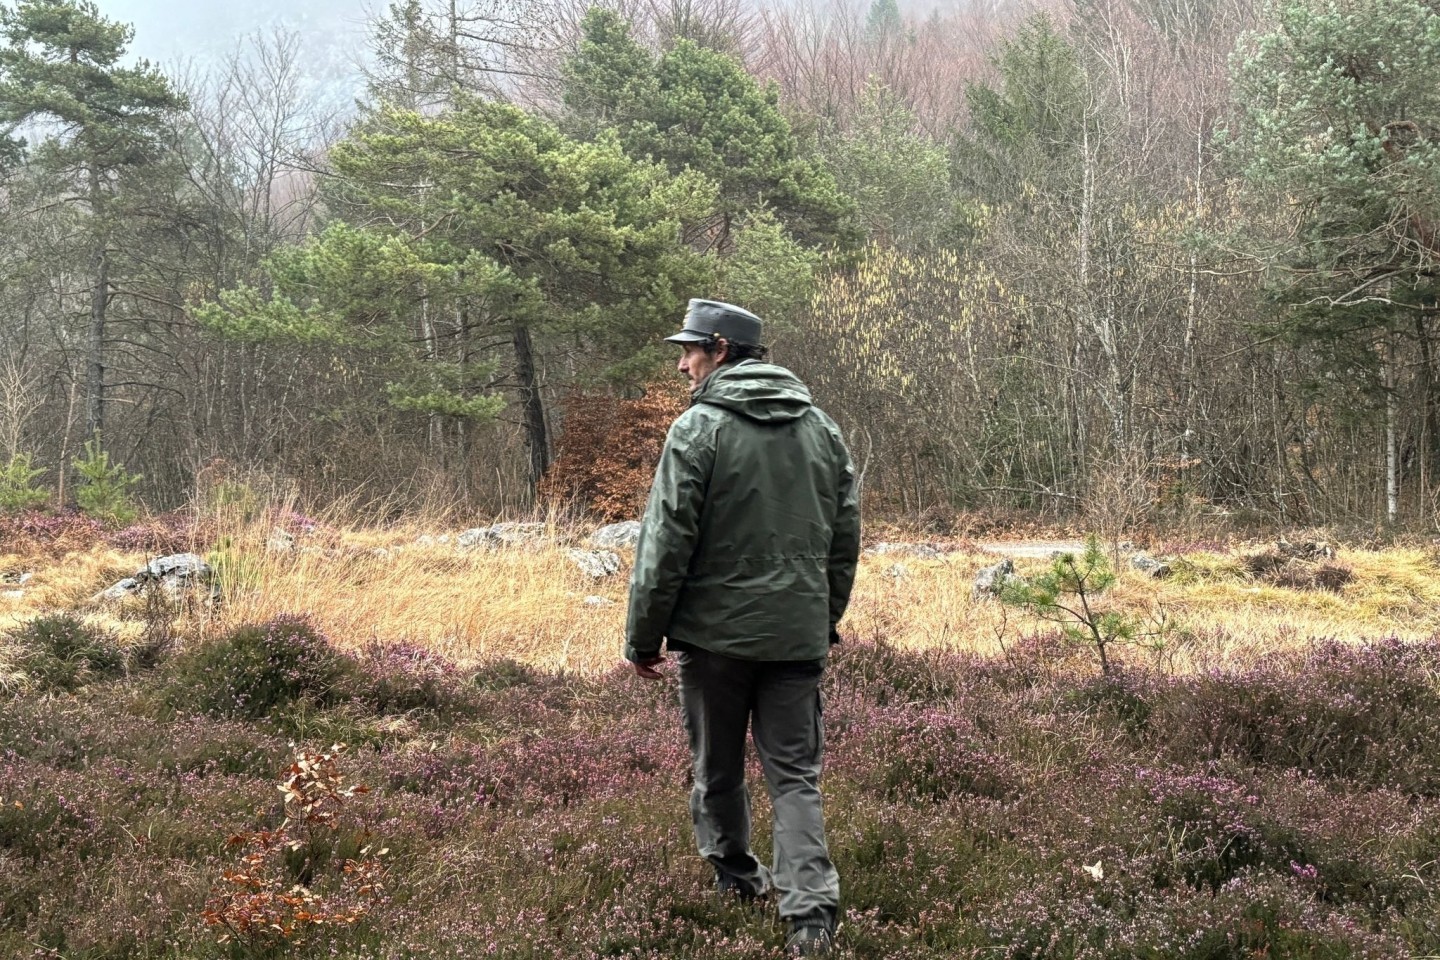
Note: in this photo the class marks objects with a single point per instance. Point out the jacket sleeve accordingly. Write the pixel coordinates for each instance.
(668, 535)
(844, 539)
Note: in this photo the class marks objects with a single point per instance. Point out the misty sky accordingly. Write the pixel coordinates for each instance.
(167, 30)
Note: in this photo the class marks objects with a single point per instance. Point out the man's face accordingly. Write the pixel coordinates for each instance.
(696, 364)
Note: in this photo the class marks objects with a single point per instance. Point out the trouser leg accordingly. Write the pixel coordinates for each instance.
(790, 738)
(716, 694)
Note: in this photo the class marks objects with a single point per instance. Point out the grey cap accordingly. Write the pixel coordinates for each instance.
(711, 318)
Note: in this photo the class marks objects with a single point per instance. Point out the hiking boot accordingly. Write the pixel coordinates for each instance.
(728, 886)
(809, 941)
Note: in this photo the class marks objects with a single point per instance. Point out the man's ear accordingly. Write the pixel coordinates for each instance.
(722, 349)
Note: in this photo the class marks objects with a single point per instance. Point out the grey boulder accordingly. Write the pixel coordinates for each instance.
(991, 580)
(509, 534)
(617, 535)
(1149, 566)
(173, 574)
(919, 551)
(596, 564)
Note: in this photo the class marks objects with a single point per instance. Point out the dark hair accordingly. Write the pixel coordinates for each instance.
(737, 351)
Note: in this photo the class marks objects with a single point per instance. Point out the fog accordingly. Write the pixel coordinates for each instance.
(170, 30)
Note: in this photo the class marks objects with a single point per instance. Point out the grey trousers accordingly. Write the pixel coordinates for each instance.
(780, 703)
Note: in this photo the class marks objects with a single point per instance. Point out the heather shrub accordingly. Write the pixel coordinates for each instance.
(259, 671)
(914, 753)
(880, 672)
(174, 532)
(503, 673)
(1122, 696)
(61, 652)
(1369, 712)
(50, 534)
(402, 679)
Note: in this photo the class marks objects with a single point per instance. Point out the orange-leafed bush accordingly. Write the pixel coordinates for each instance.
(610, 447)
(290, 881)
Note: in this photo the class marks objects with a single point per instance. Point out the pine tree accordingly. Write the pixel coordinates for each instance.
(61, 66)
(1338, 118)
(488, 214)
(697, 109)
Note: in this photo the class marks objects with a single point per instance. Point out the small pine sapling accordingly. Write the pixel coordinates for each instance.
(105, 488)
(1066, 595)
(17, 485)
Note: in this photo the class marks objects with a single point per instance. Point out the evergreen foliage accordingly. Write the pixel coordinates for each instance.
(105, 488)
(1067, 595)
(898, 178)
(17, 485)
(1337, 116)
(1030, 125)
(61, 66)
(490, 215)
(697, 109)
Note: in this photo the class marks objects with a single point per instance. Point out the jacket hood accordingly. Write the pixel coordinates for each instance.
(760, 391)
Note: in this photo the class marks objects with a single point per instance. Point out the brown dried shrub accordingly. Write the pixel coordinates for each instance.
(609, 449)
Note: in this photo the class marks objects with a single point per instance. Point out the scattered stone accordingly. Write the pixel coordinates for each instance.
(15, 579)
(120, 589)
(13, 594)
(897, 571)
(281, 541)
(178, 566)
(596, 564)
(508, 534)
(991, 580)
(617, 535)
(1312, 550)
(173, 574)
(1149, 566)
(598, 602)
(919, 551)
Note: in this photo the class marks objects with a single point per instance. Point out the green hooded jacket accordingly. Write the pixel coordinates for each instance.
(752, 530)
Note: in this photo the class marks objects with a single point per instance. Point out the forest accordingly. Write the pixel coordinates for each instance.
(1124, 261)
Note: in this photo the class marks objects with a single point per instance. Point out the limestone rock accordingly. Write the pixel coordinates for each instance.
(509, 534)
(991, 580)
(598, 602)
(173, 574)
(596, 564)
(617, 535)
(1311, 550)
(919, 551)
(1149, 566)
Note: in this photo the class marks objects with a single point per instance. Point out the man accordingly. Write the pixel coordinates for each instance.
(745, 562)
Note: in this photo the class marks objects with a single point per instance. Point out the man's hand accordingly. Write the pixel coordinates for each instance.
(646, 669)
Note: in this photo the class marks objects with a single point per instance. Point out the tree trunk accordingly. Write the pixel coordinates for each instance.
(95, 346)
(536, 436)
(1392, 458)
(1430, 397)
(1187, 353)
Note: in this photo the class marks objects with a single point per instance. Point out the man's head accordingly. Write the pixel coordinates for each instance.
(715, 334)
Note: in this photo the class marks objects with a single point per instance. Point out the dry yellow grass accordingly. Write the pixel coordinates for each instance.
(366, 585)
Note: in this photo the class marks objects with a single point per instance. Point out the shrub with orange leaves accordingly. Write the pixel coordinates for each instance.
(286, 884)
(609, 449)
